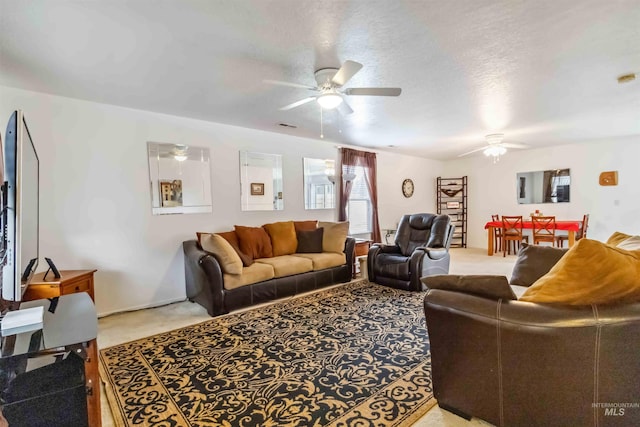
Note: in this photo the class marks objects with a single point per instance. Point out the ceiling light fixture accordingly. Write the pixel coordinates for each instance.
(180, 157)
(495, 151)
(495, 148)
(329, 100)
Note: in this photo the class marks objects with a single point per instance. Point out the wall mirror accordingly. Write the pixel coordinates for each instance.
(180, 178)
(550, 186)
(319, 183)
(261, 181)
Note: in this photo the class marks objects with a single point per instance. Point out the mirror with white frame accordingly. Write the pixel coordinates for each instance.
(180, 178)
(319, 183)
(549, 186)
(261, 182)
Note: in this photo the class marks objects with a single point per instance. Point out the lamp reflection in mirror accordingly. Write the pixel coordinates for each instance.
(180, 178)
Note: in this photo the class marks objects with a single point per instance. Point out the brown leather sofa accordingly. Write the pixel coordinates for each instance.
(524, 364)
(205, 282)
(421, 249)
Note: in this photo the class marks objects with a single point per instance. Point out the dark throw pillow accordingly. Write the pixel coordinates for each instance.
(534, 262)
(310, 241)
(486, 286)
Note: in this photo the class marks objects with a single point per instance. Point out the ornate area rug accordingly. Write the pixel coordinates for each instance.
(355, 355)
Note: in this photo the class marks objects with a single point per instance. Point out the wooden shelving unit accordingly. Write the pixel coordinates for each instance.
(452, 201)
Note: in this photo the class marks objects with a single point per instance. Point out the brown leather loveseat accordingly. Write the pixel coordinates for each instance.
(516, 363)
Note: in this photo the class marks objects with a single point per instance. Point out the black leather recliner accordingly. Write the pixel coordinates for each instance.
(421, 249)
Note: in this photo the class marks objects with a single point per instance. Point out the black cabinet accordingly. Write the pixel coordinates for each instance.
(451, 194)
(46, 371)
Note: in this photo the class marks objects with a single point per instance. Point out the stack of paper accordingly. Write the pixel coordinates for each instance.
(28, 319)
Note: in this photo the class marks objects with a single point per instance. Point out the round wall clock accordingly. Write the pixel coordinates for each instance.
(407, 188)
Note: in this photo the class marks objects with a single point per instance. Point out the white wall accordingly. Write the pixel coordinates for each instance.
(95, 202)
(493, 187)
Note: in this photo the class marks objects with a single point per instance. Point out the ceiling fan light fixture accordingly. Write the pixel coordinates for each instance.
(494, 138)
(329, 100)
(495, 150)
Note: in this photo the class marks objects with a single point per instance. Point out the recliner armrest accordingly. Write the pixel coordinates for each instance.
(433, 253)
(385, 248)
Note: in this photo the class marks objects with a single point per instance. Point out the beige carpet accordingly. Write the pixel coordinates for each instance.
(351, 355)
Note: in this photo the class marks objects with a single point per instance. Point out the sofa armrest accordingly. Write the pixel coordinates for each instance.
(203, 277)
(349, 251)
(487, 286)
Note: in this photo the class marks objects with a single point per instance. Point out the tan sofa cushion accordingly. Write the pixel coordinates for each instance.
(283, 237)
(335, 236)
(325, 259)
(228, 258)
(255, 273)
(286, 265)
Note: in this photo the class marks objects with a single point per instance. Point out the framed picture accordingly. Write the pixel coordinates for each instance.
(257, 189)
(453, 205)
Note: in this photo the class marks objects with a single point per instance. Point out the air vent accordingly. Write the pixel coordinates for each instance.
(287, 125)
(627, 78)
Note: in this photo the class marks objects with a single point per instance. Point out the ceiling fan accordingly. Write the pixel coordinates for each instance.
(330, 92)
(495, 147)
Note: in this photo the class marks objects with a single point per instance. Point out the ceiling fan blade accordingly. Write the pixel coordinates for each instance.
(344, 74)
(510, 145)
(344, 108)
(298, 103)
(471, 152)
(374, 91)
(280, 83)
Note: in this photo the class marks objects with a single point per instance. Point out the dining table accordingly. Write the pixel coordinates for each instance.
(569, 226)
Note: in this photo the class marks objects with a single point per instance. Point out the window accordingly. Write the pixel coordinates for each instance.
(359, 205)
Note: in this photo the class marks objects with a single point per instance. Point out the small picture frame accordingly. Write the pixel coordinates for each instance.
(453, 205)
(257, 189)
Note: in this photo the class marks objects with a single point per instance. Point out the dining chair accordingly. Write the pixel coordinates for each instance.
(497, 235)
(512, 232)
(582, 232)
(544, 229)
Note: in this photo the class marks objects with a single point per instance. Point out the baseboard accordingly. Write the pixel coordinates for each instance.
(141, 307)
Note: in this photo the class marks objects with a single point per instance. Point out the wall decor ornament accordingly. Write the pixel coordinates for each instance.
(609, 178)
(257, 189)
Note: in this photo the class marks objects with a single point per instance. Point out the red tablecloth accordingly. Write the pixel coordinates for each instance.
(560, 225)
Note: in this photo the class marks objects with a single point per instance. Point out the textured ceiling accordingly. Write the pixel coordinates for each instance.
(542, 72)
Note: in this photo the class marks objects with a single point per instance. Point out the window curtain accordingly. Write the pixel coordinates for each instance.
(350, 159)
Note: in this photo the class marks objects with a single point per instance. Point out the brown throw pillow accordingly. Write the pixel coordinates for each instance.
(283, 237)
(228, 258)
(534, 262)
(254, 241)
(335, 236)
(310, 241)
(232, 238)
(485, 286)
(305, 225)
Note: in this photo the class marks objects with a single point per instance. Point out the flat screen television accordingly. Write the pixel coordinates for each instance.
(20, 216)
